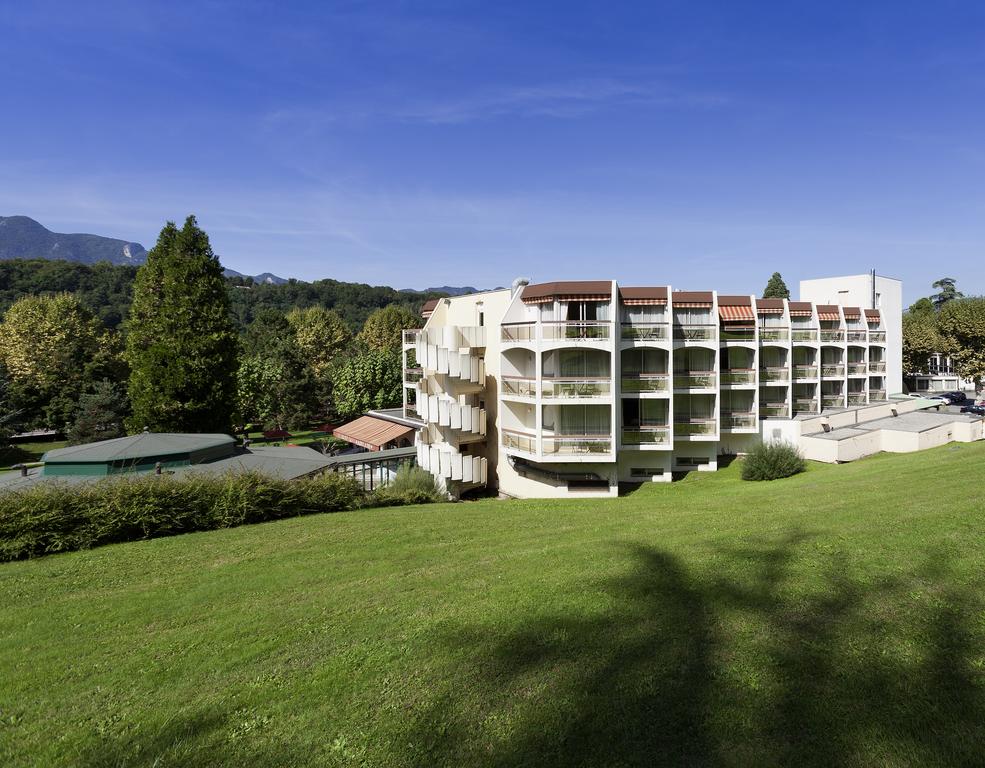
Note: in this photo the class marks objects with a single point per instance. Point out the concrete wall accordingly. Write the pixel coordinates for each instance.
(856, 291)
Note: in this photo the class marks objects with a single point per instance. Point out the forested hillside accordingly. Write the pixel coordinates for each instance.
(106, 290)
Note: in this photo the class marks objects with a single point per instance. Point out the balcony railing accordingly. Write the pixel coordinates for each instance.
(645, 434)
(569, 388)
(877, 366)
(645, 331)
(832, 369)
(805, 371)
(805, 405)
(694, 380)
(856, 335)
(695, 332)
(773, 334)
(738, 376)
(642, 383)
(410, 336)
(695, 426)
(804, 334)
(577, 330)
(739, 420)
(737, 334)
(857, 368)
(516, 386)
(577, 444)
(511, 333)
(856, 398)
(877, 336)
(877, 394)
(774, 373)
(519, 441)
(413, 375)
(832, 335)
(774, 409)
(833, 401)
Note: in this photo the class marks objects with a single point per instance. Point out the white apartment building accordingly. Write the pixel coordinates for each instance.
(569, 388)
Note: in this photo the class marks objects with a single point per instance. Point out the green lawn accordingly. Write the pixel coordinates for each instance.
(26, 453)
(830, 619)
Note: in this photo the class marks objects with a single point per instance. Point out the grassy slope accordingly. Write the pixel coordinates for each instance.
(834, 618)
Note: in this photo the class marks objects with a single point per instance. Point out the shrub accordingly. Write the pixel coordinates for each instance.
(771, 461)
(54, 517)
(412, 485)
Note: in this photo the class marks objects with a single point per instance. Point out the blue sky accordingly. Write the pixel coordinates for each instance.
(415, 144)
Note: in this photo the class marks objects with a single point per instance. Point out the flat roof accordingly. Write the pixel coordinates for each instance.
(146, 444)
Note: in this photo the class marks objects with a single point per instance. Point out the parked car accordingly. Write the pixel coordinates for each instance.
(955, 398)
(978, 410)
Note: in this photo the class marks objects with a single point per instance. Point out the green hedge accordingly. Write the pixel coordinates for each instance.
(59, 518)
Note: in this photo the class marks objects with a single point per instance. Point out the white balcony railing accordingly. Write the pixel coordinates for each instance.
(577, 330)
(515, 386)
(645, 383)
(576, 445)
(645, 331)
(644, 435)
(574, 388)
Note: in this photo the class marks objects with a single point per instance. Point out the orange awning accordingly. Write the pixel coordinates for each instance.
(371, 432)
(735, 313)
(828, 316)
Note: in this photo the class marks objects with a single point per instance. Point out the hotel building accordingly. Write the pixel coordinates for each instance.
(567, 388)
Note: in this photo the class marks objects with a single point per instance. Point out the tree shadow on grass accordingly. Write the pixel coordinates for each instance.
(775, 655)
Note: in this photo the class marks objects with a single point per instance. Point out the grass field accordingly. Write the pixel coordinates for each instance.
(26, 453)
(834, 618)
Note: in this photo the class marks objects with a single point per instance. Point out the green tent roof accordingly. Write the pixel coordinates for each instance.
(137, 447)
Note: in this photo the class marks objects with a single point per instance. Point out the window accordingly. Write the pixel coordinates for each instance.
(482, 319)
(643, 472)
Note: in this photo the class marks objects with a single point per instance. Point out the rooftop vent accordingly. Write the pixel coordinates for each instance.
(519, 283)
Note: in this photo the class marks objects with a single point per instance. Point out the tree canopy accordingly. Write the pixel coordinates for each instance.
(776, 288)
(384, 328)
(962, 324)
(181, 343)
(368, 380)
(946, 291)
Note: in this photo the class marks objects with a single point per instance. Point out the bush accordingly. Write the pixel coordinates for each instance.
(772, 461)
(54, 517)
(412, 485)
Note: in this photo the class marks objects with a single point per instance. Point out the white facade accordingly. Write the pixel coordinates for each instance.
(564, 389)
(869, 292)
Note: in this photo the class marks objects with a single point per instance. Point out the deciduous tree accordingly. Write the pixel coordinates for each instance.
(962, 324)
(181, 344)
(321, 335)
(368, 380)
(383, 328)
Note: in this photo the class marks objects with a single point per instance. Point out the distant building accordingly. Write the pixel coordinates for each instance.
(940, 376)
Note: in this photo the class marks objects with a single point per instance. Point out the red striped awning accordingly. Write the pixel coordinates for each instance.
(852, 313)
(579, 297)
(770, 310)
(872, 315)
(692, 305)
(644, 302)
(800, 309)
(735, 313)
(828, 316)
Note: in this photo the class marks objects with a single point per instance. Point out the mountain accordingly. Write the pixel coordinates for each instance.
(266, 277)
(24, 238)
(450, 290)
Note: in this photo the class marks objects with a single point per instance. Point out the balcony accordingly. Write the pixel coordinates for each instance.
(695, 332)
(519, 441)
(517, 333)
(695, 426)
(646, 435)
(515, 386)
(877, 394)
(645, 331)
(832, 335)
(695, 380)
(774, 409)
(877, 366)
(575, 388)
(739, 420)
(410, 336)
(774, 373)
(413, 375)
(737, 377)
(805, 405)
(833, 401)
(770, 335)
(645, 383)
(857, 398)
(857, 335)
(857, 368)
(737, 334)
(805, 371)
(577, 445)
(804, 334)
(832, 369)
(877, 337)
(577, 330)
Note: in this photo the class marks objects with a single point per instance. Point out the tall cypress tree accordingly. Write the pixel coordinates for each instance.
(181, 344)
